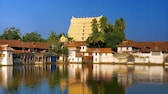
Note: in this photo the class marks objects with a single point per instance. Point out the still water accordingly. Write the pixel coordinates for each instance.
(84, 79)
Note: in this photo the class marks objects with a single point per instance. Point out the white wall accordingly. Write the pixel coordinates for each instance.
(106, 57)
(7, 59)
(121, 49)
(83, 49)
(156, 59)
(96, 57)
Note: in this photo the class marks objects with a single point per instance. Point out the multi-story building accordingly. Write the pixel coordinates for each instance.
(80, 53)
(80, 28)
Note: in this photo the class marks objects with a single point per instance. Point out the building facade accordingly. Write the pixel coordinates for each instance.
(80, 53)
(80, 28)
(145, 52)
(6, 55)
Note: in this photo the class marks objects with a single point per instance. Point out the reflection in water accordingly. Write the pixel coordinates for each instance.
(78, 78)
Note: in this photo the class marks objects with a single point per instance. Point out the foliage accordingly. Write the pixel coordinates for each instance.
(104, 24)
(109, 35)
(106, 87)
(94, 26)
(32, 37)
(117, 35)
(96, 39)
(53, 40)
(11, 33)
(63, 50)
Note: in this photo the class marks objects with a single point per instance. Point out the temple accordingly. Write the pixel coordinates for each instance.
(80, 28)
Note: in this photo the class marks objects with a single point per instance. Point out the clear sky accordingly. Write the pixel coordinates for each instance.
(146, 20)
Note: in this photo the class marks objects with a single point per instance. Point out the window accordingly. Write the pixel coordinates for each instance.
(83, 47)
(95, 53)
(82, 38)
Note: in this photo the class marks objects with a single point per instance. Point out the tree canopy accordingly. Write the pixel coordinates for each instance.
(96, 39)
(53, 40)
(11, 33)
(105, 34)
(32, 37)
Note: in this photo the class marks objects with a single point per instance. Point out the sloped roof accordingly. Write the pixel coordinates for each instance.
(18, 43)
(154, 46)
(77, 44)
(100, 50)
(127, 43)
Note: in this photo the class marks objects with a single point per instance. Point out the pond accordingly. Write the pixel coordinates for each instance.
(84, 79)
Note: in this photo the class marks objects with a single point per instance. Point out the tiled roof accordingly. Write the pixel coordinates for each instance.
(127, 43)
(76, 44)
(18, 43)
(145, 46)
(100, 50)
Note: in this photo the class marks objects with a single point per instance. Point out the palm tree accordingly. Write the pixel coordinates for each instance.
(103, 24)
(96, 39)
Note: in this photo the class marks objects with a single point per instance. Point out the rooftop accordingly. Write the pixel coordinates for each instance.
(100, 50)
(20, 44)
(154, 46)
(76, 44)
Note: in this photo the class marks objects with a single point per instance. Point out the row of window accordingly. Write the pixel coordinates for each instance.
(73, 59)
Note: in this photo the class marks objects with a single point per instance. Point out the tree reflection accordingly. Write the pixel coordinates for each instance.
(56, 77)
(106, 87)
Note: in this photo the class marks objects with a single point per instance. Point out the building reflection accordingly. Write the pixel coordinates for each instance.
(80, 78)
(6, 74)
(11, 77)
(126, 75)
(77, 79)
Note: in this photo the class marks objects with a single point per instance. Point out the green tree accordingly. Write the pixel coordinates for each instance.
(94, 26)
(32, 37)
(109, 35)
(103, 24)
(116, 34)
(119, 27)
(11, 33)
(53, 40)
(112, 40)
(96, 39)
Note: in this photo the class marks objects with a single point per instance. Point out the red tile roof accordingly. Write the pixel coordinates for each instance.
(76, 44)
(144, 46)
(18, 43)
(100, 50)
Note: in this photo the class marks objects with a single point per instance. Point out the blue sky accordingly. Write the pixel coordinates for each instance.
(146, 20)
